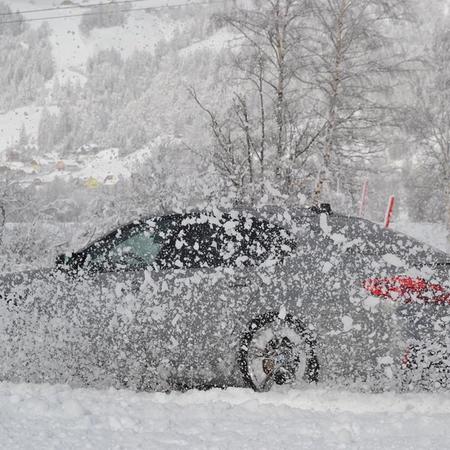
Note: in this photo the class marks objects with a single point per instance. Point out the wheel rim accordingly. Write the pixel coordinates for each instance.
(276, 355)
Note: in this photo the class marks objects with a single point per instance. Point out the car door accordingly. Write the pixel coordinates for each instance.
(163, 293)
(215, 290)
(130, 332)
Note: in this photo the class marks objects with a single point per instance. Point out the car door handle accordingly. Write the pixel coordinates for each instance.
(239, 283)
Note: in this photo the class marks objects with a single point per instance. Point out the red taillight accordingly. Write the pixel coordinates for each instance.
(407, 290)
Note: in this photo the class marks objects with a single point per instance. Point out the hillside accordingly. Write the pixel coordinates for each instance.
(89, 102)
(150, 40)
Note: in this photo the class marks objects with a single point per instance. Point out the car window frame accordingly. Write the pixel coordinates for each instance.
(168, 255)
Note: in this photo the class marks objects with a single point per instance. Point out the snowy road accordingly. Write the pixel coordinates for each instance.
(57, 417)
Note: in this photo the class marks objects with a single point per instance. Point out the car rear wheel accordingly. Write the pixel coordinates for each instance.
(426, 366)
(277, 349)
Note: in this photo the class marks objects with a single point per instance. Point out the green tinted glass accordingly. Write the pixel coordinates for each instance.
(139, 250)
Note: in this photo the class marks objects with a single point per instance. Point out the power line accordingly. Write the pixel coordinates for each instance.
(60, 8)
(73, 15)
(175, 5)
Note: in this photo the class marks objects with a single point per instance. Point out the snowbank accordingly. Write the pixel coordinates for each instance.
(55, 417)
(434, 234)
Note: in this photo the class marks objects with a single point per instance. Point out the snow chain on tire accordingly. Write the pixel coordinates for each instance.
(312, 365)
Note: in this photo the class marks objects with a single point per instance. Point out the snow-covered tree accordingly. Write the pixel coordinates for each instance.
(268, 126)
(429, 119)
(46, 131)
(355, 61)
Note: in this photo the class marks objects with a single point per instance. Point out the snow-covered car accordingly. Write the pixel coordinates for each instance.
(233, 298)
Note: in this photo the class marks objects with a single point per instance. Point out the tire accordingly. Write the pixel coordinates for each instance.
(285, 357)
(426, 366)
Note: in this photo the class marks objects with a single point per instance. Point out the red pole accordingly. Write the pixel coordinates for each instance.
(364, 198)
(389, 211)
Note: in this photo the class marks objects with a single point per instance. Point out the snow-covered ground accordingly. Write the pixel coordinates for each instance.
(58, 417)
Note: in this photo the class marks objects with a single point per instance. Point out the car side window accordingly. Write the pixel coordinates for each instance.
(229, 242)
(195, 245)
(136, 252)
(136, 247)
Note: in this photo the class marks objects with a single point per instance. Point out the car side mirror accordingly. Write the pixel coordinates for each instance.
(65, 263)
(62, 261)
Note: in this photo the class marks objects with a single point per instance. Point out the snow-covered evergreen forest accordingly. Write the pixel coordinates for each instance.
(112, 114)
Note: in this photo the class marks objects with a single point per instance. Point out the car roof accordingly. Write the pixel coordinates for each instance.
(288, 218)
(274, 214)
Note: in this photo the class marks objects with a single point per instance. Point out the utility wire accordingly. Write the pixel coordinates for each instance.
(175, 5)
(60, 8)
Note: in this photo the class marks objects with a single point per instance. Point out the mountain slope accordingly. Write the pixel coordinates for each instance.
(165, 34)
